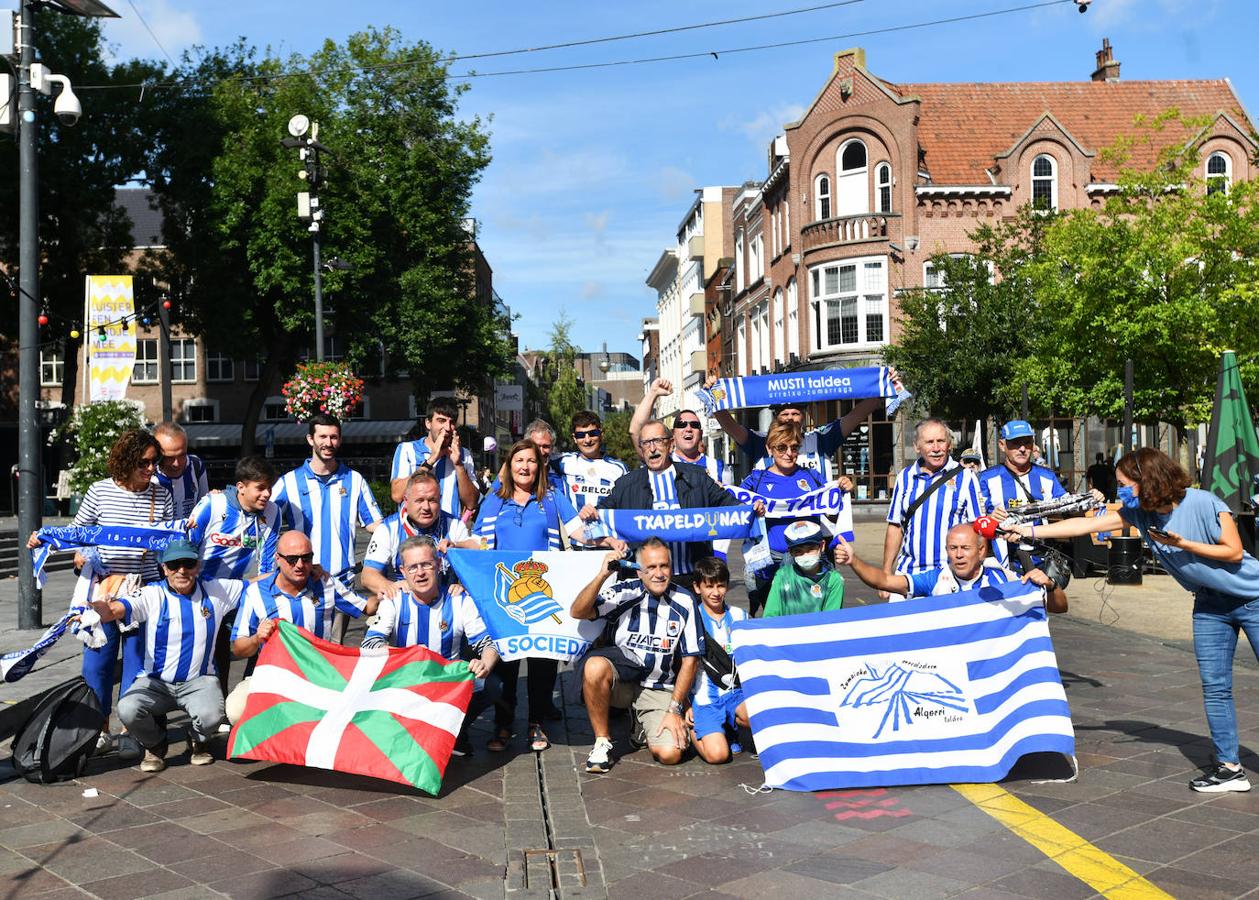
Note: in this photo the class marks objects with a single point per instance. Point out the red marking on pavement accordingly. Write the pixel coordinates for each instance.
(872, 814)
(864, 804)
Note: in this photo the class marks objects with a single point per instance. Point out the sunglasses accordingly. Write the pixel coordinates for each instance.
(294, 558)
(653, 442)
(682, 426)
(181, 564)
(147, 462)
(592, 433)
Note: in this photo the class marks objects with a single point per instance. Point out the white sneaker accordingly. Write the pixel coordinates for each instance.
(225, 728)
(599, 761)
(105, 743)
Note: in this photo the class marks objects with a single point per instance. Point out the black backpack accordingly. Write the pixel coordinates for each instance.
(55, 742)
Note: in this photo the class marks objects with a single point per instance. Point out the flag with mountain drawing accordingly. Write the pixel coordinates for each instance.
(392, 715)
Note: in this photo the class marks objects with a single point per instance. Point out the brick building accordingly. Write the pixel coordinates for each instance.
(876, 178)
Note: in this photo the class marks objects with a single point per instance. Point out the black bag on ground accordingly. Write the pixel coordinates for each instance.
(55, 742)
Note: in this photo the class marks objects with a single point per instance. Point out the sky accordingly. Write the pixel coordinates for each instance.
(594, 169)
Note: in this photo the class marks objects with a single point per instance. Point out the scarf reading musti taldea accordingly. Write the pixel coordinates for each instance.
(802, 387)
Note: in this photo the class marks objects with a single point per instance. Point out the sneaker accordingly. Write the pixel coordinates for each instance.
(638, 735)
(538, 740)
(199, 754)
(1220, 780)
(105, 743)
(225, 728)
(735, 748)
(463, 745)
(154, 759)
(600, 761)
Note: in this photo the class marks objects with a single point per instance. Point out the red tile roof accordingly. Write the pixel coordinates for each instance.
(962, 127)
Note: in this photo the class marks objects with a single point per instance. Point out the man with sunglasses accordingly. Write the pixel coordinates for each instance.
(587, 474)
(180, 617)
(688, 433)
(181, 473)
(1017, 480)
(293, 594)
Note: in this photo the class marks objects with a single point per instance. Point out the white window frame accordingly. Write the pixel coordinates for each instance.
(786, 222)
(144, 362)
(857, 174)
(201, 403)
(258, 362)
(762, 315)
(52, 362)
(1226, 176)
(273, 401)
(869, 300)
(216, 358)
(822, 204)
(180, 363)
(793, 319)
(758, 259)
(883, 182)
(740, 264)
(780, 327)
(1052, 178)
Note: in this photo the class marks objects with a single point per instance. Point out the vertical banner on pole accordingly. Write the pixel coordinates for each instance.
(110, 301)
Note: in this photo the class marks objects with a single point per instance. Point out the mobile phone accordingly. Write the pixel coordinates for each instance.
(1158, 532)
(623, 565)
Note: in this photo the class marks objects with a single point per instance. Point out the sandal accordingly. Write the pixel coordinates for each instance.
(537, 739)
(498, 743)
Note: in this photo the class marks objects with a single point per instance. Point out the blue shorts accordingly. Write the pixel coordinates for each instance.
(712, 718)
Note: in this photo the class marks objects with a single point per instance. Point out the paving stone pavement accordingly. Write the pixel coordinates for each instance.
(250, 829)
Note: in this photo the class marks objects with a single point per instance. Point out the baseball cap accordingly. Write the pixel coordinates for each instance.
(179, 550)
(1016, 428)
(802, 532)
(971, 456)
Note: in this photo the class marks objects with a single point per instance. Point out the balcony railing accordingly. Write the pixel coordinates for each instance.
(847, 230)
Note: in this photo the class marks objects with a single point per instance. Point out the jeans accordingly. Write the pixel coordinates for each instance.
(1216, 621)
(143, 709)
(98, 664)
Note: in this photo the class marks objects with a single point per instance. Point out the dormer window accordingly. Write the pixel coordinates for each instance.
(1044, 183)
(1219, 173)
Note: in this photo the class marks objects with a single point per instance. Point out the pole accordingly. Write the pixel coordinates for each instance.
(318, 295)
(163, 356)
(1128, 443)
(30, 478)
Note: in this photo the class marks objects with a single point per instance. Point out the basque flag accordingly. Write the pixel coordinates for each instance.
(937, 690)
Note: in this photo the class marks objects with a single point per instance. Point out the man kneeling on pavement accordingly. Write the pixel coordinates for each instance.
(650, 666)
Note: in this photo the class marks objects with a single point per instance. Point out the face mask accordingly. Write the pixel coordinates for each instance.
(1128, 497)
(808, 561)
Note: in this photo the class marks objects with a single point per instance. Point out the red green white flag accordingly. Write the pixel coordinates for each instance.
(391, 715)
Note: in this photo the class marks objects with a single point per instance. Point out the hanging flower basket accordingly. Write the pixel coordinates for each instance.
(331, 388)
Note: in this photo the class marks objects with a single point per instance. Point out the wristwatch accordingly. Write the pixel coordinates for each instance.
(675, 707)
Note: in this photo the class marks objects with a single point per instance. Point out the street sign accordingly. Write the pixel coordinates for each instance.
(509, 398)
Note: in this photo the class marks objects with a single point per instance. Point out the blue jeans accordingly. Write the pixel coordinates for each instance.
(98, 665)
(1216, 621)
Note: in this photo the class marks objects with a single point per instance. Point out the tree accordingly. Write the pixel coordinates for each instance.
(1164, 273)
(616, 437)
(565, 394)
(960, 344)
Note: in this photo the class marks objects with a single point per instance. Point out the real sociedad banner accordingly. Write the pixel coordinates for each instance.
(802, 387)
(525, 598)
(937, 690)
(72, 537)
(829, 500)
(713, 523)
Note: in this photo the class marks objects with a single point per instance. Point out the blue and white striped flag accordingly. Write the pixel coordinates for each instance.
(802, 387)
(942, 689)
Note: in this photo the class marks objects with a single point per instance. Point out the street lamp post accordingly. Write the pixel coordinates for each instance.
(33, 77)
(308, 209)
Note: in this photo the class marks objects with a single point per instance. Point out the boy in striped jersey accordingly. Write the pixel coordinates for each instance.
(181, 473)
(236, 530)
(429, 614)
(441, 453)
(180, 618)
(326, 500)
(717, 710)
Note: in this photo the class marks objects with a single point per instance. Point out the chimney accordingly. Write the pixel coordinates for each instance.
(1107, 69)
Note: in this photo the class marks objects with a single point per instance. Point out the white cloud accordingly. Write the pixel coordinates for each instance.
(764, 127)
(176, 30)
(674, 184)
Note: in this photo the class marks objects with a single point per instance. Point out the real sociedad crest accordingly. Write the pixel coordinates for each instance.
(524, 594)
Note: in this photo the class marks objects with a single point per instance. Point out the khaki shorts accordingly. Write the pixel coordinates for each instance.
(649, 707)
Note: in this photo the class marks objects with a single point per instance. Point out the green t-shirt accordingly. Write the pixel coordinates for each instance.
(794, 592)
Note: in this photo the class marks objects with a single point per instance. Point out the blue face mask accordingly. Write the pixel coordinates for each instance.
(1127, 497)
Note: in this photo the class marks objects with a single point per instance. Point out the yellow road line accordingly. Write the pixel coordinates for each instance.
(1099, 870)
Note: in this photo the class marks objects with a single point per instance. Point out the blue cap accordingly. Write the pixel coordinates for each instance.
(180, 549)
(802, 532)
(1016, 428)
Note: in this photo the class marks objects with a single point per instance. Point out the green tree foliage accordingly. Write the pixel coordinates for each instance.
(960, 344)
(1164, 273)
(565, 394)
(616, 438)
(92, 431)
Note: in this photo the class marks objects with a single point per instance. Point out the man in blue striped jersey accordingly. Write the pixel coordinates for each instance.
(441, 453)
(916, 528)
(688, 433)
(420, 513)
(180, 617)
(1017, 479)
(656, 647)
(236, 530)
(427, 613)
(587, 474)
(293, 594)
(327, 500)
(181, 473)
(969, 567)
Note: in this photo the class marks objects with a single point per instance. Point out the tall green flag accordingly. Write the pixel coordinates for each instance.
(1232, 458)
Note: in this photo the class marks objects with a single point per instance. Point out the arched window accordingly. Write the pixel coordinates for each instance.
(822, 194)
(1219, 172)
(883, 187)
(852, 191)
(1044, 183)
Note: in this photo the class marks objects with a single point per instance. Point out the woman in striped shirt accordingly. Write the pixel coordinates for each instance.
(129, 496)
(522, 515)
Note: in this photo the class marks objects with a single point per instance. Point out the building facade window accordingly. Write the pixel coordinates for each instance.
(201, 410)
(219, 367)
(822, 193)
(274, 410)
(883, 187)
(850, 303)
(52, 367)
(852, 193)
(183, 361)
(757, 262)
(762, 319)
(1219, 173)
(253, 368)
(1044, 183)
(740, 265)
(786, 223)
(742, 364)
(793, 321)
(145, 369)
(780, 328)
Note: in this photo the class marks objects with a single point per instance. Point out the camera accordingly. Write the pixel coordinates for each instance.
(67, 107)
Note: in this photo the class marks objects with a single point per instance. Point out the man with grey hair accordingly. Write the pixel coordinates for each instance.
(931, 496)
(181, 473)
